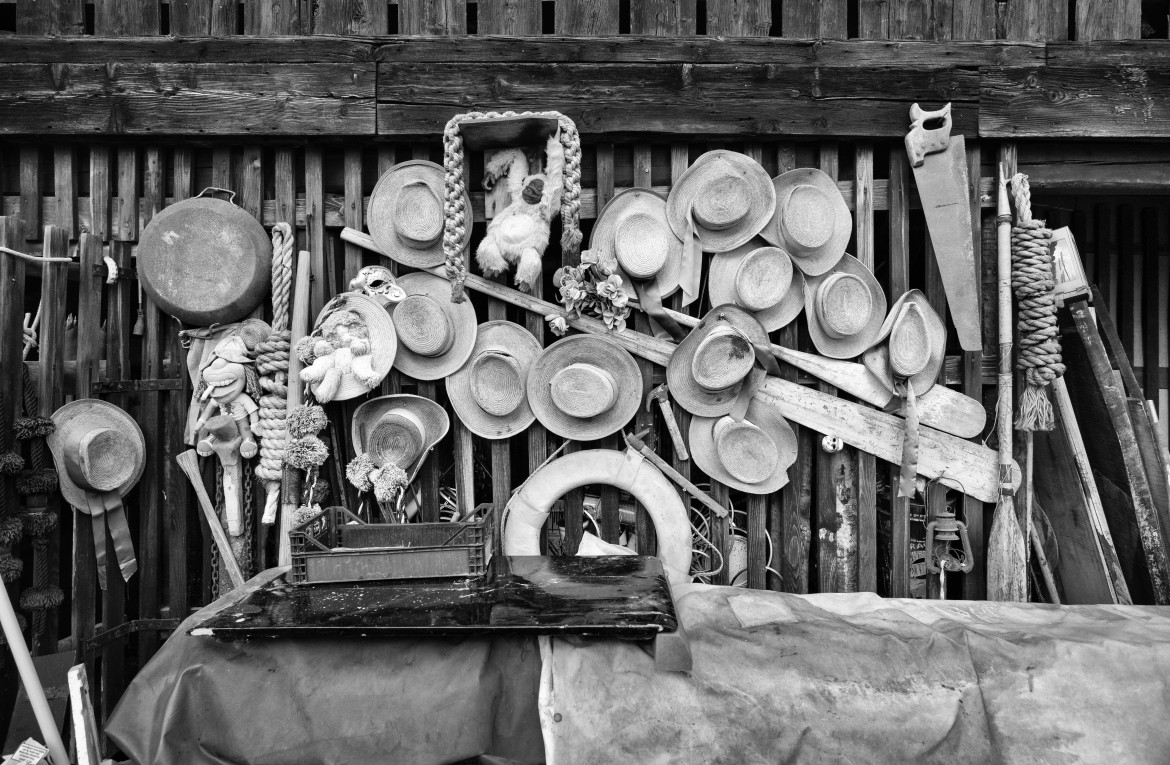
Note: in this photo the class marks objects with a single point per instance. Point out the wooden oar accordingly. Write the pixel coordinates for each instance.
(1007, 567)
(940, 407)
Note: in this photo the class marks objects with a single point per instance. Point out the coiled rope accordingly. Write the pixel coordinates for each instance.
(272, 364)
(37, 518)
(458, 218)
(1033, 283)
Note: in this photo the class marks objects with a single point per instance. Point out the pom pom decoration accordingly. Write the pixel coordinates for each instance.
(305, 513)
(10, 570)
(304, 349)
(28, 428)
(11, 530)
(306, 420)
(37, 523)
(388, 482)
(358, 472)
(11, 463)
(32, 482)
(306, 453)
(41, 598)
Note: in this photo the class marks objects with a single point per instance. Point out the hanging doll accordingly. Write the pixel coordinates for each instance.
(519, 234)
(229, 385)
(343, 347)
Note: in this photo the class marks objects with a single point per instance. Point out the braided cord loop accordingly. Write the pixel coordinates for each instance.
(272, 365)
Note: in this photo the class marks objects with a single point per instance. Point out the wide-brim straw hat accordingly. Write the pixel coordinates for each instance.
(911, 346)
(727, 195)
(845, 309)
(107, 442)
(633, 230)
(759, 278)
(752, 456)
(406, 214)
(710, 366)
(489, 393)
(383, 339)
(400, 424)
(811, 220)
(435, 336)
(584, 387)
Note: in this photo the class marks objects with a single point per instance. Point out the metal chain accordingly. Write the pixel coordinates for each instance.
(215, 562)
(249, 525)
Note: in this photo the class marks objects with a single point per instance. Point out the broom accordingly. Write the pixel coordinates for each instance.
(1006, 554)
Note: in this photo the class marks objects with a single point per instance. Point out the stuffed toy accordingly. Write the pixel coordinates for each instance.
(229, 385)
(343, 347)
(519, 234)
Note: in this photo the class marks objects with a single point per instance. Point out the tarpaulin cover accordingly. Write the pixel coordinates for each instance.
(854, 678)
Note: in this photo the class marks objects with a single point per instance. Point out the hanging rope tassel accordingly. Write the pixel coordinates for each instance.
(1033, 283)
(272, 364)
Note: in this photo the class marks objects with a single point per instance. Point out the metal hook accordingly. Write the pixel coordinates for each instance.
(231, 194)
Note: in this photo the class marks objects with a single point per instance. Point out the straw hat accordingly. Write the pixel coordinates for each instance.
(383, 340)
(399, 429)
(584, 387)
(405, 215)
(761, 279)
(709, 367)
(97, 448)
(752, 455)
(811, 221)
(912, 345)
(845, 308)
(489, 392)
(435, 335)
(632, 229)
(728, 197)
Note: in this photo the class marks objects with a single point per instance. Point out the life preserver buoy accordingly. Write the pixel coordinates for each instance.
(529, 508)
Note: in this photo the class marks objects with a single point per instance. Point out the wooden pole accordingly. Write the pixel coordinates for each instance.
(299, 327)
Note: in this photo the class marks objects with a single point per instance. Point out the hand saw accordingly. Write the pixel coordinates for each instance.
(940, 170)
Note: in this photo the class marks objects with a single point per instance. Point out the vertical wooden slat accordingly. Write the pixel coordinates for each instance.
(58, 18)
(873, 19)
(1107, 268)
(662, 18)
(679, 161)
(588, 18)
(89, 317)
(126, 229)
(747, 18)
(315, 229)
(866, 531)
(274, 17)
(432, 17)
(651, 375)
(65, 190)
(610, 519)
(509, 17)
(352, 209)
(1108, 20)
(972, 19)
(350, 17)
(910, 20)
(814, 18)
(249, 186)
(386, 159)
(12, 286)
(1039, 20)
(1127, 295)
(974, 584)
(125, 18)
(899, 283)
(99, 192)
(1151, 281)
(202, 18)
(758, 543)
(30, 191)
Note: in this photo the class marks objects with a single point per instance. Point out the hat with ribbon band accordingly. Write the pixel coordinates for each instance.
(845, 308)
(406, 215)
(489, 392)
(752, 455)
(435, 336)
(760, 278)
(100, 453)
(717, 368)
(719, 203)
(811, 220)
(584, 387)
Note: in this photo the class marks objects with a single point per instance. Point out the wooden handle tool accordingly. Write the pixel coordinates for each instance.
(189, 463)
(661, 394)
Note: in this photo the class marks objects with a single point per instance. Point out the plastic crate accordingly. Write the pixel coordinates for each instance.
(337, 546)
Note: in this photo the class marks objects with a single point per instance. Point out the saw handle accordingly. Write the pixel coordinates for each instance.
(922, 140)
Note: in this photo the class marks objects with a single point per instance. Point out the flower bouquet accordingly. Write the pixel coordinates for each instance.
(593, 288)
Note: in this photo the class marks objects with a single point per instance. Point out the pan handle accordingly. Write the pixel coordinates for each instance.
(232, 194)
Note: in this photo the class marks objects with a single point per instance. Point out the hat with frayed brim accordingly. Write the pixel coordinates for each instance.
(383, 341)
(911, 346)
(845, 308)
(584, 387)
(633, 230)
(97, 443)
(490, 392)
(760, 278)
(710, 366)
(811, 221)
(406, 217)
(400, 429)
(728, 198)
(435, 336)
(752, 456)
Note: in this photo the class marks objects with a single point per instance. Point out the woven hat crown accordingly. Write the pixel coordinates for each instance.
(418, 214)
(583, 390)
(397, 437)
(722, 358)
(641, 243)
(745, 451)
(808, 218)
(496, 382)
(723, 201)
(843, 304)
(106, 458)
(763, 278)
(423, 326)
(909, 342)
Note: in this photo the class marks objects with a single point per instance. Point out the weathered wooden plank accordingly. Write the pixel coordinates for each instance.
(1126, 101)
(587, 18)
(320, 292)
(1036, 20)
(1129, 240)
(30, 191)
(125, 18)
(205, 99)
(275, 17)
(873, 19)
(814, 18)
(1088, 166)
(971, 19)
(509, 17)
(911, 20)
(1133, 52)
(432, 17)
(899, 282)
(56, 18)
(974, 584)
(202, 18)
(180, 48)
(1108, 20)
(865, 523)
(126, 207)
(747, 18)
(65, 190)
(350, 17)
(662, 18)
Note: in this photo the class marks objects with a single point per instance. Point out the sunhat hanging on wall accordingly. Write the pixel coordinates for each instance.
(845, 308)
(811, 221)
(489, 393)
(761, 279)
(752, 456)
(584, 387)
(435, 335)
(406, 214)
(350, 350)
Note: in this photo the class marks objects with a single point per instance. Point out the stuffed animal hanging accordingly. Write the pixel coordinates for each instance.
(519, 234)
(343, 347)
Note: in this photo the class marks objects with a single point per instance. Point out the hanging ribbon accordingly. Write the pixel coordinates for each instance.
(661, 323)
(906, 481)
(107, 511)
(751, 383)
(692, 262)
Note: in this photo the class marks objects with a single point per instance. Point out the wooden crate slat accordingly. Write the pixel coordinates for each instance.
(126, 18)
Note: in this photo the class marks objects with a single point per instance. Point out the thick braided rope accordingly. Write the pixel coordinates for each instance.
(272, 365)
(40, 544)
(36, 446)
(1033, 283)
(457, 217)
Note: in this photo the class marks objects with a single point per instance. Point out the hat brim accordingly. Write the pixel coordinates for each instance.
(435, 422)
(707, 166)
(630, 201)
(380, 213)
(689, 394)
(701, 439)
(463, 324)
(84, 415)
(498, 336)
(856, 344)
(877, 358)
(822, 259)
(383, 339)
(585, 349)
(721, 287)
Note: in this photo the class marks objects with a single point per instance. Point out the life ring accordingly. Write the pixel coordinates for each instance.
(529, 508)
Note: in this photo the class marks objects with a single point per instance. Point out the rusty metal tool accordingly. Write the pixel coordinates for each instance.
(661, 394)
(636, 443)
(939, 161)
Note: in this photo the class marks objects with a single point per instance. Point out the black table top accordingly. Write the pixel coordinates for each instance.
(625, 597)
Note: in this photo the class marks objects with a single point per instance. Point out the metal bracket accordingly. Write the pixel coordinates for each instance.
(99, 387)
(125, 274)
